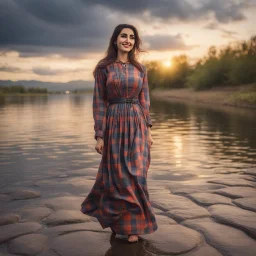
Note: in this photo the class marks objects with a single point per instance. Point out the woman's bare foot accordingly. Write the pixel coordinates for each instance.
(133, 238)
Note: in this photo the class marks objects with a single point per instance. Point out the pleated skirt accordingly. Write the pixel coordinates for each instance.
(119, 197)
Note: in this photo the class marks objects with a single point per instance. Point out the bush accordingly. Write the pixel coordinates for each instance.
(243, 71)
(233, 65)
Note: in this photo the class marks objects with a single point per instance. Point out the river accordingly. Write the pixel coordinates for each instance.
(43, 136)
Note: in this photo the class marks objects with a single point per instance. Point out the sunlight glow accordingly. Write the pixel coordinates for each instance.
(167, 63)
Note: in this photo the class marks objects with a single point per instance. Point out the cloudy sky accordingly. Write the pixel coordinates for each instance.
(62, 40)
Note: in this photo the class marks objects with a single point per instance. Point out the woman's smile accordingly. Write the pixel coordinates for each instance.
(126, 45)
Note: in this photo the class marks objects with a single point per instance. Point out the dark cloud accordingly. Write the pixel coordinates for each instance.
(166, 42)
(228, 33)
(48, 71)
(28, 31)
(212, 26)
(57, 12)
(183, 10)
(6, 68)
(42, 71)
(225, 32)
(225, 11)
(71, 28)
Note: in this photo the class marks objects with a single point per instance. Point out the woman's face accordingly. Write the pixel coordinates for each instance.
(125, 40)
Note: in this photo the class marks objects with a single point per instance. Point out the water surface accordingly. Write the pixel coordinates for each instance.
(44, 136)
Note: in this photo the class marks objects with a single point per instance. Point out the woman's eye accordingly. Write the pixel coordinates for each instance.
(126, 36)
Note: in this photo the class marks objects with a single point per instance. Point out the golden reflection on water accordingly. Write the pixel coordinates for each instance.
(177, 141)
(41, 133)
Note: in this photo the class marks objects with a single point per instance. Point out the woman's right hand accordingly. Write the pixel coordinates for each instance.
(99, 145)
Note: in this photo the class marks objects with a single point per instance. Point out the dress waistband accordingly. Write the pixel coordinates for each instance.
(124, 100)
(128, 100)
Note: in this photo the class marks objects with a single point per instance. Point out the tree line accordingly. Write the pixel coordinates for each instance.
(233, 65)
(21, 89)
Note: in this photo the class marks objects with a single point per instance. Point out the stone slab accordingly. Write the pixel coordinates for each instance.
(9, 219)
(227, 240)
(17, 229)
(178, 208)
(81, 243)
(248, 203)
(31, 244)
(236, 217)
(207, 199)
(63, 217)
(172, 239)
(236, 192)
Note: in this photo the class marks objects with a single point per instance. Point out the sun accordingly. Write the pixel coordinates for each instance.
(167, 63)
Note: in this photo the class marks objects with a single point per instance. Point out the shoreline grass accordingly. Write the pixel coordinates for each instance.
(243, 96)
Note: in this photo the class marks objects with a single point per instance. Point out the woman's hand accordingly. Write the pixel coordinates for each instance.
(150, 140)
(99, 145)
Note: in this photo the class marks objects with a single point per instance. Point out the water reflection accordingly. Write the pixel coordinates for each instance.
(39, 136)
(122, 247)
(202, 139)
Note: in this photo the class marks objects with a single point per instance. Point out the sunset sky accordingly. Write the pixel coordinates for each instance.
(62, 40)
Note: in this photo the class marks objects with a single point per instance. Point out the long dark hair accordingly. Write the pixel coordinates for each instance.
(112, 50)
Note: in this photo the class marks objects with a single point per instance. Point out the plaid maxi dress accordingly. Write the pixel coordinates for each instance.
(119, 197)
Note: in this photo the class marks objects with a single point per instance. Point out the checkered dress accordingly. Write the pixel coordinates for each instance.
(119, 198)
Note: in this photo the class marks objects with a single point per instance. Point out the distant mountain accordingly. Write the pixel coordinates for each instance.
(80, 85)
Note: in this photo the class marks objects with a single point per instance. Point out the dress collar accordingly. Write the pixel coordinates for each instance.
(122, 62)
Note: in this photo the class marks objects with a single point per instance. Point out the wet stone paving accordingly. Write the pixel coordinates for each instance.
(201, 217)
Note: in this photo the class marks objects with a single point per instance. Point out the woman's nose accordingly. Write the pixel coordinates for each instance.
(127, 40)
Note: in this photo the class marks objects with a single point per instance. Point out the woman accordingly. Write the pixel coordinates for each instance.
(119, 198)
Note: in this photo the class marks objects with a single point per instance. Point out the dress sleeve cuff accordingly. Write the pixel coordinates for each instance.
(149, 122)
(98, 133)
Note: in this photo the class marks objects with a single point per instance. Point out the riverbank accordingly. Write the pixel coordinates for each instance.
(23, 94)
(243, 96)
(43, 94)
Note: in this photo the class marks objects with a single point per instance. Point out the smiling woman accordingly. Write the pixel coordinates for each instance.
(119, 198)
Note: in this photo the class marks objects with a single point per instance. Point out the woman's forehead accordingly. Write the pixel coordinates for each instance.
(127, 31)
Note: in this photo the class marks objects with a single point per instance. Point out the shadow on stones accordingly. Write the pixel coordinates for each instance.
(122, 247)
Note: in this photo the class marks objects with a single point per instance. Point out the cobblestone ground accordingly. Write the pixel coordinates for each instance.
(201, 217)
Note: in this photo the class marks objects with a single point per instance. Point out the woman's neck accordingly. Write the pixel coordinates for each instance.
(122, 61)
(122, 58)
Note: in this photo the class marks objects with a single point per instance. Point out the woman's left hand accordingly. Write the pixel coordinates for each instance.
(150, 140)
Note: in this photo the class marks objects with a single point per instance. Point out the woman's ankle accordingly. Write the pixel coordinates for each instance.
(133, 237)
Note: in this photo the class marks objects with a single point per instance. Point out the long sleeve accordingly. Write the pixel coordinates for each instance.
(100, 103)
(145, 99)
